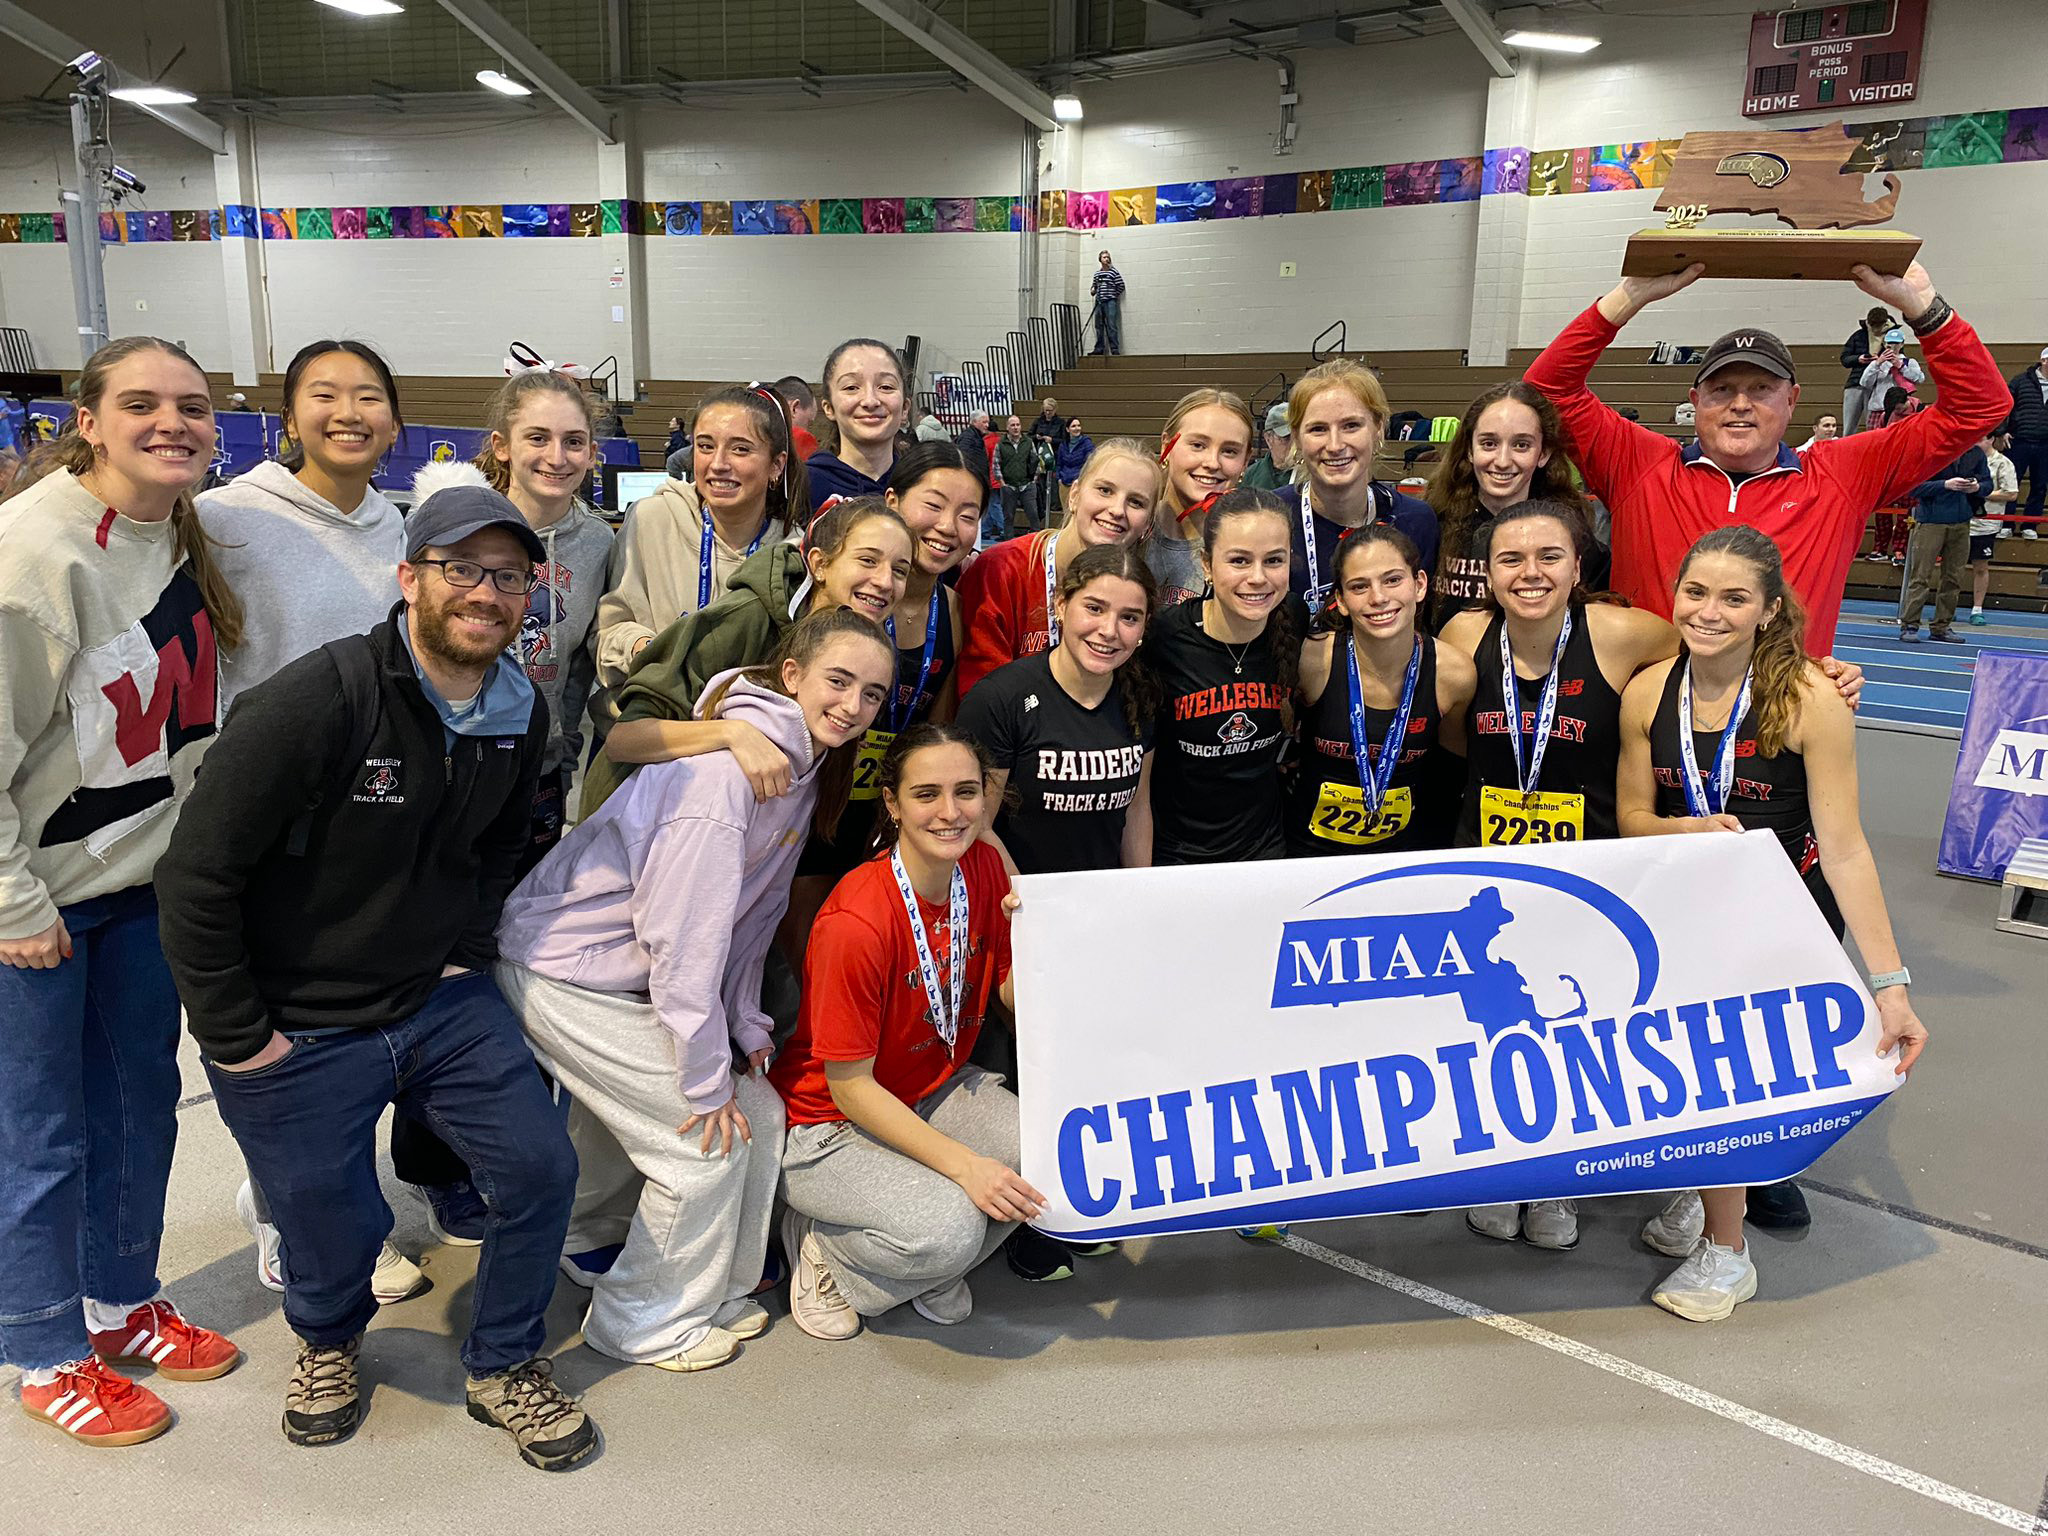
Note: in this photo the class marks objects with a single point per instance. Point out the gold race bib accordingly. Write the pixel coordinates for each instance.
(1508, 818)
(1341, 817)
(867, 768)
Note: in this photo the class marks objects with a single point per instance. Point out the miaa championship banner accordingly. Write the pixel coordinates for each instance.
(1999, 797)
(1233, 1045)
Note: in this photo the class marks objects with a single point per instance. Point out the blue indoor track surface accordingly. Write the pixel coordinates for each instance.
(1925, 686)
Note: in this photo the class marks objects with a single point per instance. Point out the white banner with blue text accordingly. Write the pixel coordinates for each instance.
(1236, 1045)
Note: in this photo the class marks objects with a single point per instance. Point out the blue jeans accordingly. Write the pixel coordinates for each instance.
(460, 1066)
(1109, 328)
(88, 1118)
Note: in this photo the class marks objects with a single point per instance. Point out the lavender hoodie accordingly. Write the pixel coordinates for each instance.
(673, 888)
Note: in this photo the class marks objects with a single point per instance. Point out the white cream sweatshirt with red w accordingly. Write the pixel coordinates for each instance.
(673, 887)
(108, 692)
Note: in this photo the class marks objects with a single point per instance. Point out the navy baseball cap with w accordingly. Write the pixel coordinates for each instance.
(1758, 348)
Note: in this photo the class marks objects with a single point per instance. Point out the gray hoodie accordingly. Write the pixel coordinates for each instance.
(556, 641)
(306, 571)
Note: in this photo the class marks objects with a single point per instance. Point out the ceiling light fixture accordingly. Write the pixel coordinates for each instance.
(1067, 108)
(1551, 42)
(504, 85)
(153, 96)
(365, 7)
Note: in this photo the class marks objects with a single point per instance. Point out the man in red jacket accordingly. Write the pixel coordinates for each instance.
(1662, 497)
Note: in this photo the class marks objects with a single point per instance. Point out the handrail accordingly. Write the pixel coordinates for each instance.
(1315, 347)
(1259, 406)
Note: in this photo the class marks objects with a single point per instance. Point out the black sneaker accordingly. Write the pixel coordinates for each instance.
(323, 1404)
(1779, 1206)
(1090, 1249)
(1035, 1257)
(548, 1425)
(1946, 637)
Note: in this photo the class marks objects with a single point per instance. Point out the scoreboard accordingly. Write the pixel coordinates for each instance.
(1825, 57)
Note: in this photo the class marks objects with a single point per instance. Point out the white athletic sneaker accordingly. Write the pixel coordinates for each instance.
(946, 1304)
(1709, 1285)
(743, 1319)
(715, 1348)
(1551, 1224)
(815, 1302)
(397, 1279)
(1676, 1229)
(269, 1266)
(1501, 1221)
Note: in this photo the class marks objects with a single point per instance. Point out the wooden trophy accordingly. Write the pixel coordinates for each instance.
(1798, 177)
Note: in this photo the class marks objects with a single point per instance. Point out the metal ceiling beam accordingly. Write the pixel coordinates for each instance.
(40, 37)
(519, 50)
(955, 49)
(1477, 24)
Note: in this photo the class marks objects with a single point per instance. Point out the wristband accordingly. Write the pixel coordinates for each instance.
(1879, 980)
(1933, 317)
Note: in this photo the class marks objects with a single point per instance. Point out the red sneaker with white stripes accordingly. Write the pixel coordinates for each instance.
(157, 1334)
(96, 1406)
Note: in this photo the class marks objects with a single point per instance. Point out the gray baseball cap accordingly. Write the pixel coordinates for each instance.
(451, 515)
(1277, 421)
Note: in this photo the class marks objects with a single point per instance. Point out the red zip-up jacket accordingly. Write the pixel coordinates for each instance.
(1662, 497)
(1002, 608)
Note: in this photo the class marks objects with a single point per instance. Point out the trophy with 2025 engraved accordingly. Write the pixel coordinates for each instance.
(1799, 177)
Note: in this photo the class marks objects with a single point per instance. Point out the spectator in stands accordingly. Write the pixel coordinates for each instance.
(605, 413)
(2028, 428)
(678, 439)
(1888, 532)
(1828, 427)
(1942, 508)
(1891, 369)
(1048, 425)
(1272, 469)
(1075, 448)
(1986, 527)
(1106, 287)
(803, 410)
(1016, 463)
(972, 441)
(1662, 497)
(932, 430)
(1858, 353)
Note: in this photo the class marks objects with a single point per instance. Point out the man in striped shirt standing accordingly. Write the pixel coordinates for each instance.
(1107, 287)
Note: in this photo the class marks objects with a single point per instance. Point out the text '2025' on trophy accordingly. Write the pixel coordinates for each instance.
(1798, 177)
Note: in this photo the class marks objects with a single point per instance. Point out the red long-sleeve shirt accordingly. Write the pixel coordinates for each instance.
(1662, 497)
(1002, 608)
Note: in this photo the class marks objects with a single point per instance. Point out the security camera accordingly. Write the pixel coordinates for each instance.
(87, 66)
(126, 180)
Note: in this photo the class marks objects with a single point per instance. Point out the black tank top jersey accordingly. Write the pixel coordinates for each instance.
(854, 840)
(1585, 736)
(1769, 793)
(1316, 822)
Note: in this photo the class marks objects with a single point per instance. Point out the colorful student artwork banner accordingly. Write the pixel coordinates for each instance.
(1899, 144)
(1301, 1039)
(1999, 797)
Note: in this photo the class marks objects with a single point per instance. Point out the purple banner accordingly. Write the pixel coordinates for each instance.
(2000, 794)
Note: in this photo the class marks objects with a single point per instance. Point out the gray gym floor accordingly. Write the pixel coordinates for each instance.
(1394, 1375)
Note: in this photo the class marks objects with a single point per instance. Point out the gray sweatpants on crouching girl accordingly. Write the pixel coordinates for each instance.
(890, 1228)
(698, 1230)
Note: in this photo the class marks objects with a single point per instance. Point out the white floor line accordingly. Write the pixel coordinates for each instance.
(1684, 1392)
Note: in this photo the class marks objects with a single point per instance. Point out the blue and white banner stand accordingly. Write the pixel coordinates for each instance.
(1234, 1045)
(1999, 797)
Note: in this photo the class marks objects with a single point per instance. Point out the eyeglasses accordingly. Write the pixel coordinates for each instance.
(513, 581)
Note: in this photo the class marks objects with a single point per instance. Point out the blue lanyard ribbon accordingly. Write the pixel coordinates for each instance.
(1708, 796)
(704, 557)
(901, 709)
(943, 1002)
(1527, 779)
(1375, 776)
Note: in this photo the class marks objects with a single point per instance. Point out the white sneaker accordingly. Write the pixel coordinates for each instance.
(815, 1302)
(743, 1319)
(2030, 532)
(714, 1349)
(1551, 1224)
(1709, 1285)
(397, 1279)
(269, 1244)
(1501, 1221)
(1676, 1229)
(945, 1305)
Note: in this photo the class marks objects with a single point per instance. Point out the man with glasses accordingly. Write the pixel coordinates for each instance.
(329, 909)
(1662, 497)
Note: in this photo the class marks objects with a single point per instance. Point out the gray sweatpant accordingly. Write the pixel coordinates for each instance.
(890, 1227)
(699, 1232)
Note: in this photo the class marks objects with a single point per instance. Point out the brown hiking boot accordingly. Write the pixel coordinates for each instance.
(323, 1403)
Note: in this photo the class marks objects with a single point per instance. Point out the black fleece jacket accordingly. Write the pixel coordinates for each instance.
(405, 869)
